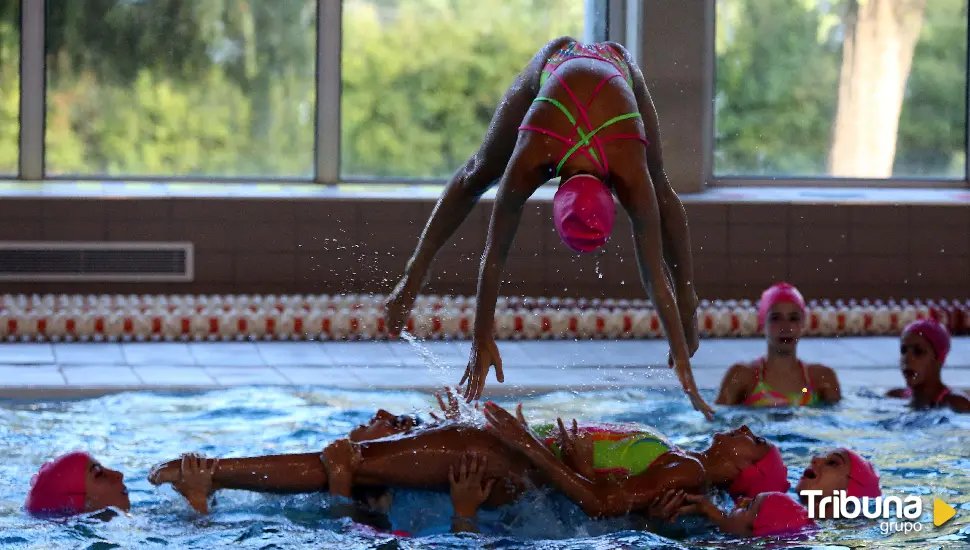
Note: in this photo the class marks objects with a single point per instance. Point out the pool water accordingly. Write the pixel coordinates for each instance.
(921, 453)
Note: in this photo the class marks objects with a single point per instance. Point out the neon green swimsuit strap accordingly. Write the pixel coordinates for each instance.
(586, 138)
(616, 449)
(572, 120)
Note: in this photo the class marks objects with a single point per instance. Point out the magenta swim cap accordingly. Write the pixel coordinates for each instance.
(935, 333)
(780, 515)
(765, 476)
(778, 293)
(583, 213)
(863, 478)
(58, 488)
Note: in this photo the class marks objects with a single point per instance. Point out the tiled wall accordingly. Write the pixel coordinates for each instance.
(344, 246)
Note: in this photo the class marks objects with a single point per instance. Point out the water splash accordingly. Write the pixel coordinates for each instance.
(437, 367)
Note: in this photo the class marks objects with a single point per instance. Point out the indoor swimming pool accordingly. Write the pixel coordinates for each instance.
(916, 453)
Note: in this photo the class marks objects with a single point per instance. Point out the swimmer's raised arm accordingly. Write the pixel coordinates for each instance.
(468, 184)
(525, 174)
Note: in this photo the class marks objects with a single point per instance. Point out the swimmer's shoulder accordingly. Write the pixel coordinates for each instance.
(825, 382)
(738, 381)
(821, 374)
(683, 464)
(744, 373)
(957, 401)
(899, 393)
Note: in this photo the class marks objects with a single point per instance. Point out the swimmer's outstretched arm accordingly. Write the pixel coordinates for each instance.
(525, 174)
(468, 184)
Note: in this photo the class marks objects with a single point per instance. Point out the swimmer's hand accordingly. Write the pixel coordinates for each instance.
(667, 506)
(484, 354)
(195, 481)
(469, 489)
(576, 451)
(397, 308)
(686, 376)
(452, 410)
(699, 505)
(513, 431)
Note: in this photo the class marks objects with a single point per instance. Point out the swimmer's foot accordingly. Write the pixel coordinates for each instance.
(165, 472)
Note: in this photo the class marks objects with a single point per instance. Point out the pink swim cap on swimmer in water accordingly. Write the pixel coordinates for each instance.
(780, 514)
(935, 333)
(863, 479)
(583, 213)
(765, 476)
(778, 293)
(58, 488)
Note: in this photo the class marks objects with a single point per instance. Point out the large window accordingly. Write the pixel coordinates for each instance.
(421, 78)
(841, 88)
(9, 87)
(177, 88)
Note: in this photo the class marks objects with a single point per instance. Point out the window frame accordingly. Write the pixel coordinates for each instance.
(710, 88)
(625, 21)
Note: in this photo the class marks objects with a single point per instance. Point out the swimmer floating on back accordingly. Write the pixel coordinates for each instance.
(581, 113)
(923, 348)
(607, 470)
(780, 379)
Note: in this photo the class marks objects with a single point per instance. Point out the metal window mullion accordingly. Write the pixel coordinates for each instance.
(617, 21)
(327, 150)
(596, 20)
(32, 89)
(710, 91)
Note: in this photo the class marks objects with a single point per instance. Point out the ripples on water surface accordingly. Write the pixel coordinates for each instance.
(925, 453)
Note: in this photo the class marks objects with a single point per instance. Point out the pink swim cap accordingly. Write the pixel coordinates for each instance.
(777, 294)
(58, 488)
(863, 479)
(765, 476)
(780, 514)
(583, 213)
(935, 333)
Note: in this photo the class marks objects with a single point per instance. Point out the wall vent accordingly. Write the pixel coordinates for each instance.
(97, 261)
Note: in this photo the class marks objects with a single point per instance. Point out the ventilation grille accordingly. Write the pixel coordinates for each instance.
(96, 261)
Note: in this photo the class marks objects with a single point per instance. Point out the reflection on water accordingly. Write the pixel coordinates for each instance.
(926, 453)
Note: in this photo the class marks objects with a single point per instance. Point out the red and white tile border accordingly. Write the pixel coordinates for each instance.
(66, 318)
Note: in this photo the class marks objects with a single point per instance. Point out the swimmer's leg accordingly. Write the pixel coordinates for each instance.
(636, 194)
(676, 234)
(279, 474)
(469, 183)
